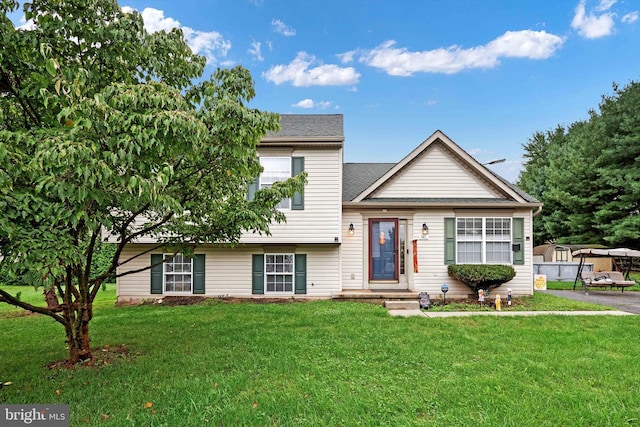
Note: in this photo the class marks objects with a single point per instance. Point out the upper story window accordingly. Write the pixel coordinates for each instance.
(276, 169)
(483, 240)
(279, 169)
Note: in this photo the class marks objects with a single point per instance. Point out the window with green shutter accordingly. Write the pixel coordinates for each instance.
(157, 281)
(518, 241)
(177, 274)
(484, 240)
(279, 274)
(198, 274)
(297, 167)
(257, 274)
(449, 240)
(301, 274)
(279, 169)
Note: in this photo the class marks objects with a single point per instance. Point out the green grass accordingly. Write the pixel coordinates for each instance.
(330, 364)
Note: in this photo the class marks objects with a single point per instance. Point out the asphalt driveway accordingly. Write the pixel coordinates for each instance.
(623, 301)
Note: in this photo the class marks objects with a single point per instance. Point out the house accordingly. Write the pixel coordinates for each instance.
(358, 227)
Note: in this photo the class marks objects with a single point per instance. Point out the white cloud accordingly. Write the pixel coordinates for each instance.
(26, 25)
(211, 44)
(593, 26)
(347, 57)
(299, 73)
(310, 103)
(605, 5)
(630, 17)
(280, 27)
(256, 51)
(512, 44)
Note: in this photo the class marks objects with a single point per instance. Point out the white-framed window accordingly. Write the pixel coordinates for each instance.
(483, 240)
(278, 272)
(177, 273)
(276, 169)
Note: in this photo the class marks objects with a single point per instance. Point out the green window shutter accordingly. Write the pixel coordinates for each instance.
(156, 274)
(449, 240)
(297, 167)
(257, 278)
(253, 187)
(300, 279)
(198, 274)
(518, 239)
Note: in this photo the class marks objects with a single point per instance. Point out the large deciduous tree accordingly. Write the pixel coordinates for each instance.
(103, 132)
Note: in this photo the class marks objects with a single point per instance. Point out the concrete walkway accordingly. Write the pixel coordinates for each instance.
(409, 313)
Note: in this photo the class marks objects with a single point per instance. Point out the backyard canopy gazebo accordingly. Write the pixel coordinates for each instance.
(625, 255)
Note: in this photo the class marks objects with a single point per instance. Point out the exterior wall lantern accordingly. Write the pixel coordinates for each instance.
(425, 230)
(352, 230)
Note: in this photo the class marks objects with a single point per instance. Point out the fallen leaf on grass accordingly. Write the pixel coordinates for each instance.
(58, 392)
(255, 405)
(105, 417)
(148, 405)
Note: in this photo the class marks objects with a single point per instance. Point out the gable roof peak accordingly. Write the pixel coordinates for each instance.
(465, 158)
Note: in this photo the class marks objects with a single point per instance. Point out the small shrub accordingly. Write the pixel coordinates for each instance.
(482, 276)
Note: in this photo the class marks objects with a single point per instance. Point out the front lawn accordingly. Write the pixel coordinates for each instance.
(328, 363)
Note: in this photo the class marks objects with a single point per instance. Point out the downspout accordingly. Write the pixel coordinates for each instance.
(535, 213)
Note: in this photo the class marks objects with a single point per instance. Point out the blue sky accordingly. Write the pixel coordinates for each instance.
(488, 73)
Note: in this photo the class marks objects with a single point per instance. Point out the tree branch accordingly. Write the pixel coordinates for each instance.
(10, 299)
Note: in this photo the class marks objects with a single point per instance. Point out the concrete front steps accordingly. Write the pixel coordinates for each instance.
(402, 305)
(403, 308)
(376, 297)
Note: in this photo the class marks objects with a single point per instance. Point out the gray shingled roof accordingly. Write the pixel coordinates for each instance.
(357, 177)
(309, 125)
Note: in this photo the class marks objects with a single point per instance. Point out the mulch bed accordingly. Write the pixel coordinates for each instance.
(106, 355)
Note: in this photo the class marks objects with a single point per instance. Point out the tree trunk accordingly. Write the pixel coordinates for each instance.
(78, 314)
(78, 337)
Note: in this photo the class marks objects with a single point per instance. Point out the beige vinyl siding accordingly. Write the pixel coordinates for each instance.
(435, 173)
(432, 272)
(352, 252)
(228, 271)
(319, 222)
